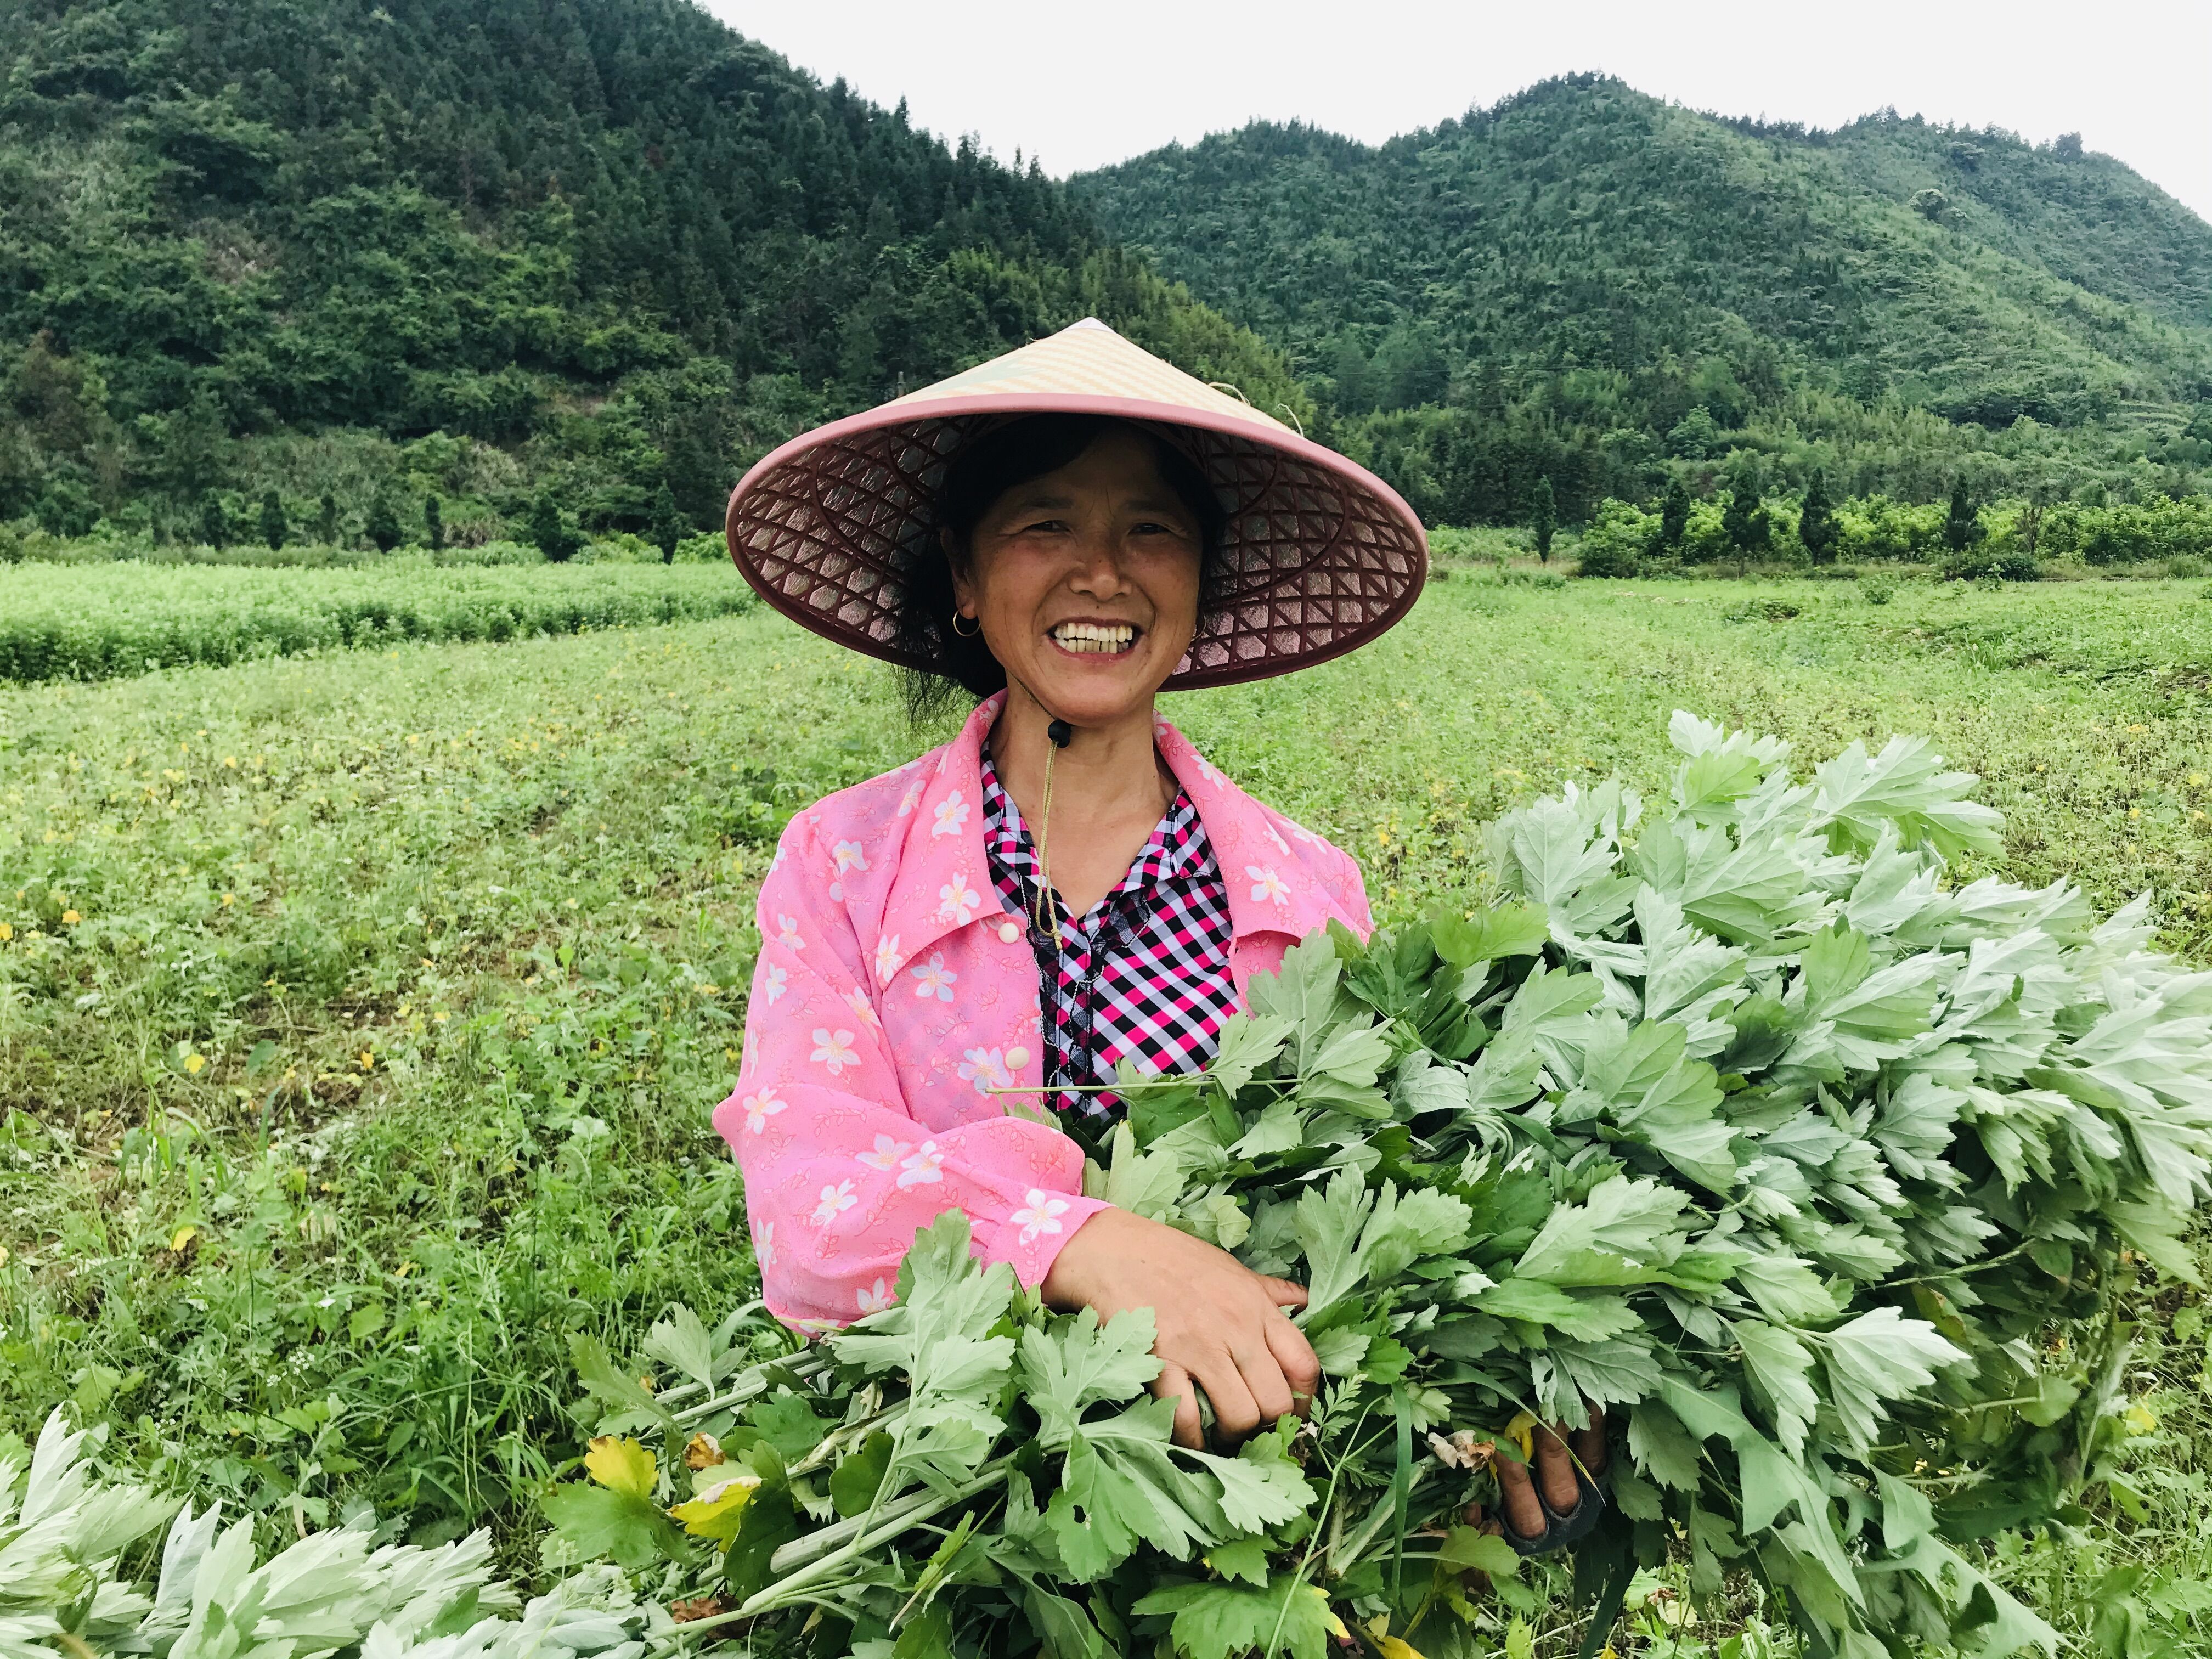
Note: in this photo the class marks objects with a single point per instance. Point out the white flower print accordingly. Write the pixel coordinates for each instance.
(835, 1201)
(936, 979)
(925, 1169)
(1206, 768)
(787, 932)
(836, 892)
(863, 1009)
(760, 1107)
(1276, 836)
(887, 958)
(909, 800)
(775, 863)
(885, 1153)
(1267, 885)
(764, 1247)
(848, 856)
(834, 1049)
(987, 1069)
(958, 901)
(876, 1298)
(776, 983)
(951, 816)
(1299, 833)
(1041, 1214)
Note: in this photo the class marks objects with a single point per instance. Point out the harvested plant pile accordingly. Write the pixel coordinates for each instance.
(1821, 1174)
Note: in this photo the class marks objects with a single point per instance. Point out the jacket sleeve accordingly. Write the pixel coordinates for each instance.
(838, 1173)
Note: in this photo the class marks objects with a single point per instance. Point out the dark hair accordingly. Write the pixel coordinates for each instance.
(977, 476)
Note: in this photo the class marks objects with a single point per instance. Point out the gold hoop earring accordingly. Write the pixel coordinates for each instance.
(968, 633)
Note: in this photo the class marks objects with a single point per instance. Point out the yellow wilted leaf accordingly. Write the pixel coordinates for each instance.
(621, 1465)
(2140, 1419)
(1522, 1432)
(181, 1238)
(702, 1451)
(718, 1510)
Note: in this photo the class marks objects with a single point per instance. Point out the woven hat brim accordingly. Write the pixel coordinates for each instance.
(1322, 555)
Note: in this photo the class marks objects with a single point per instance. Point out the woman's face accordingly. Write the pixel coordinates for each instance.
(1085, 581)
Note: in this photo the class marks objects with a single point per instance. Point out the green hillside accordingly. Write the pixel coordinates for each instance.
(1903, 303)
(474, 246)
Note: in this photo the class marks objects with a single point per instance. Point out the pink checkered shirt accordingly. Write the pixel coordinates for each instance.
(1145, 974)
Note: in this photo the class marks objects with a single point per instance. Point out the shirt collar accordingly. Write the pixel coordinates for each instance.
(946, 857)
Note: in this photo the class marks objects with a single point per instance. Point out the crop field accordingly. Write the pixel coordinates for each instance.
(84, 622)
(360, 1012)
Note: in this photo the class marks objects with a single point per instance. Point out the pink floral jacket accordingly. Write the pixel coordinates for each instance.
(893, 995)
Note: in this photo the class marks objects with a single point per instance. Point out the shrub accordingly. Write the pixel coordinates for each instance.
(1616, 542)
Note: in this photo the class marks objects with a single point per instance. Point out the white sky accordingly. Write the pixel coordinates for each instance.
(1080, 87)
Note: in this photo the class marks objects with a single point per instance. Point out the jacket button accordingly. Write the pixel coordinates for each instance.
(1017, 1057)
(1009, 931)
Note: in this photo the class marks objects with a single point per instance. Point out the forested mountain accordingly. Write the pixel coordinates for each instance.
(607, 252)
(1585, 283)
(474, 245)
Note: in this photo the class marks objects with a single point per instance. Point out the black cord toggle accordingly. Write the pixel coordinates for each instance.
(1060, 732)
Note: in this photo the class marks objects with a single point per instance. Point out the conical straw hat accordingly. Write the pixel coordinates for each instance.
(1322, 555)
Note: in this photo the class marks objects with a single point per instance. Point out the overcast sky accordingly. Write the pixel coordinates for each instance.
(1080, 86)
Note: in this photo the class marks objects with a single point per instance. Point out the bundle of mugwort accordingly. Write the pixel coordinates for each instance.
(1821, 1174)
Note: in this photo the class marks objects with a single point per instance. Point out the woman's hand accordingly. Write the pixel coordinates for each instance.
(1218, 1324)
(1555, 1473)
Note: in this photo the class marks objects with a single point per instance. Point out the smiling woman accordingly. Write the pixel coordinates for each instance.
(1061, 532)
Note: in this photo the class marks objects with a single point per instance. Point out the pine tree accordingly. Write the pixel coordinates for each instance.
(326, 525)
(552, 529)
(215, 523)
(1816, 521)
(384, 523)
(274, 527)
(1674, 517)
(664, 528)
(1962, 526)
(434, 524)
(1544, 519)
(1743, 521)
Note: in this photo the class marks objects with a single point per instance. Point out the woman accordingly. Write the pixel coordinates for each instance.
(1068, 885)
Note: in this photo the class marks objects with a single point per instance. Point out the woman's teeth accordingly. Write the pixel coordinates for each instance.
(1095, 637)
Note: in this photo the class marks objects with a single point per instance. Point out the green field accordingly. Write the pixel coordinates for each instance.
(360, 1013)
(96, 621)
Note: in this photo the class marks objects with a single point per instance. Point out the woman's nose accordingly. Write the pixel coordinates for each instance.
(1098, 569)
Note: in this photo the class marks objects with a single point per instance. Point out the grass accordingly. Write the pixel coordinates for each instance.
(360, 1013)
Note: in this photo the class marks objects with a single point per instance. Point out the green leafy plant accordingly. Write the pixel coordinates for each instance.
(62, 1588)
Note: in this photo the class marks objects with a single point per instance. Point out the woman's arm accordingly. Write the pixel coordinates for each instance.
(838, 1174)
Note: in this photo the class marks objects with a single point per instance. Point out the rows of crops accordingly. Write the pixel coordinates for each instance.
(61, 621)
(360, 1013)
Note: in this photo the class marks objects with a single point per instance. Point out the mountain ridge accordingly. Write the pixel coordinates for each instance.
(1624, 261)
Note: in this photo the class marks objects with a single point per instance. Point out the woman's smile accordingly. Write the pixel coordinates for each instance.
(1086, 637)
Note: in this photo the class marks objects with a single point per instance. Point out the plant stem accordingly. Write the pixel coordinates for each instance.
(896, 1518)
(750, 1384)
(893, 1523)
